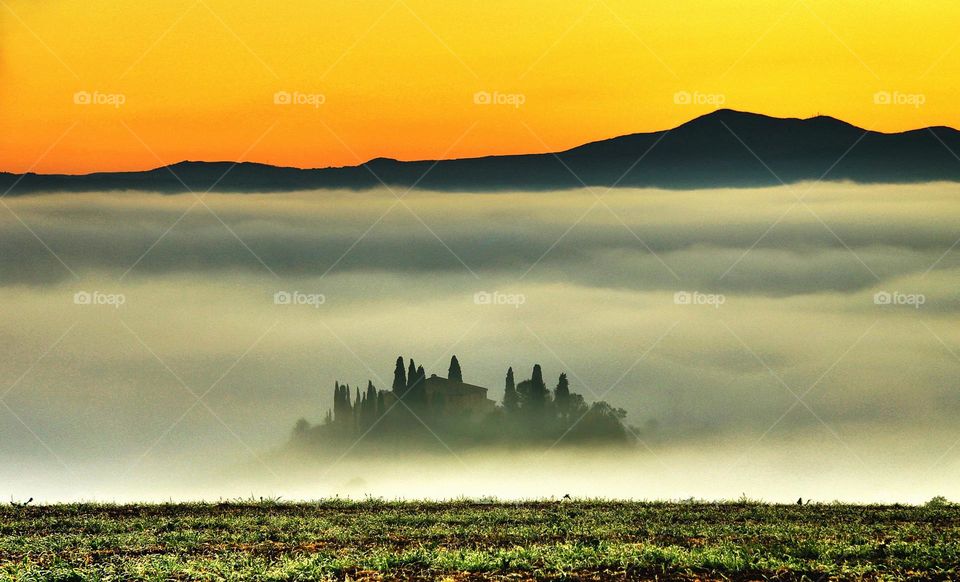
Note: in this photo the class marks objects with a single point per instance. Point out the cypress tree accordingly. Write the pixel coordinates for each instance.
(399, 378)
(411, 374)
(420, 387)
(357, 409)
(454, 372)
(364, 413)
(538, 390)
(338, 412)
(369, 405)
(561, 394)
(537, 376)
(511, 400)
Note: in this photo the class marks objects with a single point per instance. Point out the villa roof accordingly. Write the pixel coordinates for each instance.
(437, 383)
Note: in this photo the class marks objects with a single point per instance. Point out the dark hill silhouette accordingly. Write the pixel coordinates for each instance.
(704, 152)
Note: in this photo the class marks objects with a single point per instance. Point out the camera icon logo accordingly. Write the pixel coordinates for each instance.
(482, 298)
(882, 98)
(482, 98)
(82, 98)
(282, 98)
(282, 298)
(882, 298)
(682, 298)
(82, 298)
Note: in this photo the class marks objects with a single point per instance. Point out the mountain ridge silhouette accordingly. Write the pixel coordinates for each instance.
(724, 148)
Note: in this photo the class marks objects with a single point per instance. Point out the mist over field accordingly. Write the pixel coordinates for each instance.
(741, 330)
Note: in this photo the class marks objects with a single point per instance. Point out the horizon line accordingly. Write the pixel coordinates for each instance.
(432, 160)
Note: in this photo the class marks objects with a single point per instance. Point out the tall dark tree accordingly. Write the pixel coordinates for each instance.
(454, 372)
(537, 376)
(511, 401)
(368, 406)
(357, 409)
(538, 389)
(342, 410)
(339, 410)
(420, 386)
(336, 395)
(411, 374)
(399, 377)
(363, 411)
(561, 395)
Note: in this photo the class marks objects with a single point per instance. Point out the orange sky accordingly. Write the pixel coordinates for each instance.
(197, 79)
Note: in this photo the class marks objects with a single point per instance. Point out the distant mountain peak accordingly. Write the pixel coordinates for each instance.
(732, 116)
(723, 148)
(727, 113)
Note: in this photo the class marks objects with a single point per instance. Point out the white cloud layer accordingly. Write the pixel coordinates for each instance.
(798, 319)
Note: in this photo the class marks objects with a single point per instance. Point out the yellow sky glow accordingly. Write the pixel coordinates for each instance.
(197, 79)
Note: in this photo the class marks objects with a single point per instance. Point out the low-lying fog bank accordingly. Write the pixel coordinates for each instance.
(862, 467)
(146, 355)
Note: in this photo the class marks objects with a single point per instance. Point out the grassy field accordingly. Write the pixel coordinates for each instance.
(473, 540)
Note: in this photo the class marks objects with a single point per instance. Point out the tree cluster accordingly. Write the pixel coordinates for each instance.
(530, 412)
(533, 410)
